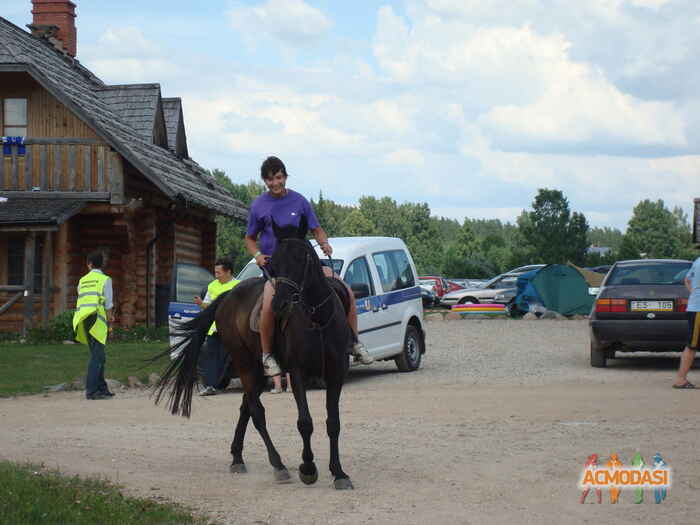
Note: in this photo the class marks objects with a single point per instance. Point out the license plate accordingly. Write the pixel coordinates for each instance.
(651, 306)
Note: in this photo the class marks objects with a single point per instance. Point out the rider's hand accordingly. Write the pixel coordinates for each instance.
(261, 260)
(326, 249)
(197, 300)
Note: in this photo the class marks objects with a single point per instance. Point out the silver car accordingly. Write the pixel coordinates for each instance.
(486, 294)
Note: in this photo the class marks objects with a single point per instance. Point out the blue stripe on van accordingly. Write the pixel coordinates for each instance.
(374, 302)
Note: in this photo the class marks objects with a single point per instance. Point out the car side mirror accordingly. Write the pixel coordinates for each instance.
(360, 290)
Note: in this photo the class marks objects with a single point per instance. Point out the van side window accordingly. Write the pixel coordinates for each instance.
(358, 276)
(394, 270)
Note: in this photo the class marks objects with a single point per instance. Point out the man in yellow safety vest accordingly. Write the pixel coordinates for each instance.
(213, 355)
(92, 313)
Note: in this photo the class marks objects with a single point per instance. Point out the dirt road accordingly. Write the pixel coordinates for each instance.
(493, 429)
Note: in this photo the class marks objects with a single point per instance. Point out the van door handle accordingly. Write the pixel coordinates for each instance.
(384, 307)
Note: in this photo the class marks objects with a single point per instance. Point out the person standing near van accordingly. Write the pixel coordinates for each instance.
(92, 312)
(214, 356)
(692, 283)
(285, 207)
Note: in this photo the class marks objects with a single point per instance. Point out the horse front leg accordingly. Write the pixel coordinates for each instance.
(253, 389)
(237, 465)
(308, 473)
(333, 388)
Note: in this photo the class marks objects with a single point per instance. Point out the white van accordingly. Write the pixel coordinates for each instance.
(382, 276)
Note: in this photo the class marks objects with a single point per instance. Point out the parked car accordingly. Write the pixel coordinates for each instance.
(187, 281)
(487, 294)
(641, 306)
(441, 285)
(453, 285)
(383, 278)
(427, 288)
(526, 268)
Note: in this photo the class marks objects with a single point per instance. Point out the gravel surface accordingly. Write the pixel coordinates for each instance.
(494, 428)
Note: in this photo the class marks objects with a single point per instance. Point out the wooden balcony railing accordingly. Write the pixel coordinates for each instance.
(61, 165)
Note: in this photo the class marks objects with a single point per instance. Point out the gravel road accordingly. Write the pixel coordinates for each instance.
(494, 428)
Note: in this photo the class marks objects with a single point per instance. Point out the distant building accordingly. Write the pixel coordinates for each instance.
(600, 250)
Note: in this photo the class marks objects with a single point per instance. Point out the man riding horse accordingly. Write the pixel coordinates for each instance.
(285, 207)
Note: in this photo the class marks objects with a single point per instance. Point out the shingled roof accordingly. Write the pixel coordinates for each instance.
(15, 211)
(174, 123)
(136, 104)
(83, 93)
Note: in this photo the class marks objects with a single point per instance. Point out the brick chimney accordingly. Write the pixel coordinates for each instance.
(55, 21)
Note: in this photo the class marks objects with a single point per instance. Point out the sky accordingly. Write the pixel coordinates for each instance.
(468, 105)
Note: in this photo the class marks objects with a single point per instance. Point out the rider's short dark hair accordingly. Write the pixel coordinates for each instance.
(271, 166)
(96, 259)
(225, 263)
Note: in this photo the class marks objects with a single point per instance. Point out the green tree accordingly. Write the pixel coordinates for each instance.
(654, 231)
(356, 224)
(553, 233)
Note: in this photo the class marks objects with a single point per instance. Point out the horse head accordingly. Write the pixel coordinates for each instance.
(294, 264)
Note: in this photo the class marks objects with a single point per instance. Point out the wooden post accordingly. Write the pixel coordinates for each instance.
(47, 279)
(29, 248)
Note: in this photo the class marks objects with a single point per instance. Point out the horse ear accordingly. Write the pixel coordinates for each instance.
(303, 227)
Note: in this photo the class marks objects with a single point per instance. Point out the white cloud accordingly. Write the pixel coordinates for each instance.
(125, 55)
(406, 157)
(294, 22)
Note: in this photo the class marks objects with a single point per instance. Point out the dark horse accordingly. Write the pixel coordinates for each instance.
(312, 336)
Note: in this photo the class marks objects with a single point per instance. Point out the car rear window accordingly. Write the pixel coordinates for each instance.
(648, 273)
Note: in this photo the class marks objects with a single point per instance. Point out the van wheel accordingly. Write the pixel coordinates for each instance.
(410, 357)
(599, 358)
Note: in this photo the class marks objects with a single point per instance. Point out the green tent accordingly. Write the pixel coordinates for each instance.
(563, 289)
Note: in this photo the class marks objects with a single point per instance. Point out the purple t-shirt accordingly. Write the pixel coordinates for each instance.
(286, 211)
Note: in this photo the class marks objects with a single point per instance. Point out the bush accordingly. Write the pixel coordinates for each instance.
(59, 329)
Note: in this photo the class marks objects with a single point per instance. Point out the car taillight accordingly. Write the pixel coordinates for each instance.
(611, 305)
(682, 305)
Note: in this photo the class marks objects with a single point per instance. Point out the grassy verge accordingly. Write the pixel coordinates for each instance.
(31, 495)
(26, 369)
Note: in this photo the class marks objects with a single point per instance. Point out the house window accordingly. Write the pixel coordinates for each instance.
(15, 262)
(14, 112)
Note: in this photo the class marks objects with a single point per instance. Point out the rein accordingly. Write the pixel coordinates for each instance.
(298, 295)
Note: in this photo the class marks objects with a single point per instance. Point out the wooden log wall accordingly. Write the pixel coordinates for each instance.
(72, 165)
(188, 242)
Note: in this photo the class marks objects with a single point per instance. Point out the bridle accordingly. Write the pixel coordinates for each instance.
(297, 297)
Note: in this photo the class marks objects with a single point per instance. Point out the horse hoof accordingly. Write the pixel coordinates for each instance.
(343, 484)
(282, 476)
(308, 478)
(238, 468)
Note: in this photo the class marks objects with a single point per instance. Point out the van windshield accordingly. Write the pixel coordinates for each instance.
(190, 280)
(649, 273)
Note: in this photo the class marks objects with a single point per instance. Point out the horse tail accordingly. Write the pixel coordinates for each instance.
(179, 378)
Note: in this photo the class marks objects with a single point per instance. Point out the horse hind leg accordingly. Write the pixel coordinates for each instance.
(238, 465)
(308, 473)
(341, 480)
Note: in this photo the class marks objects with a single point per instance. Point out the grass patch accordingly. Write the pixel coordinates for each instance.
(27, 369)
(32, 495)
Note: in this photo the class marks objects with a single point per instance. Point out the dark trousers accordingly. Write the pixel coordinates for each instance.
(95, 380)
(213, 361)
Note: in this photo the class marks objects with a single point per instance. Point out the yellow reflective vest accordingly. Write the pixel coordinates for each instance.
(91, 300)
(215, 289)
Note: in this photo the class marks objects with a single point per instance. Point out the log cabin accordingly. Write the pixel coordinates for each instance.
(87, 166)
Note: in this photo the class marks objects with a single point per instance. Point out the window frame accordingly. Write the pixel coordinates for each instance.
(6, 125)
(367, 269)
(390, 256)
